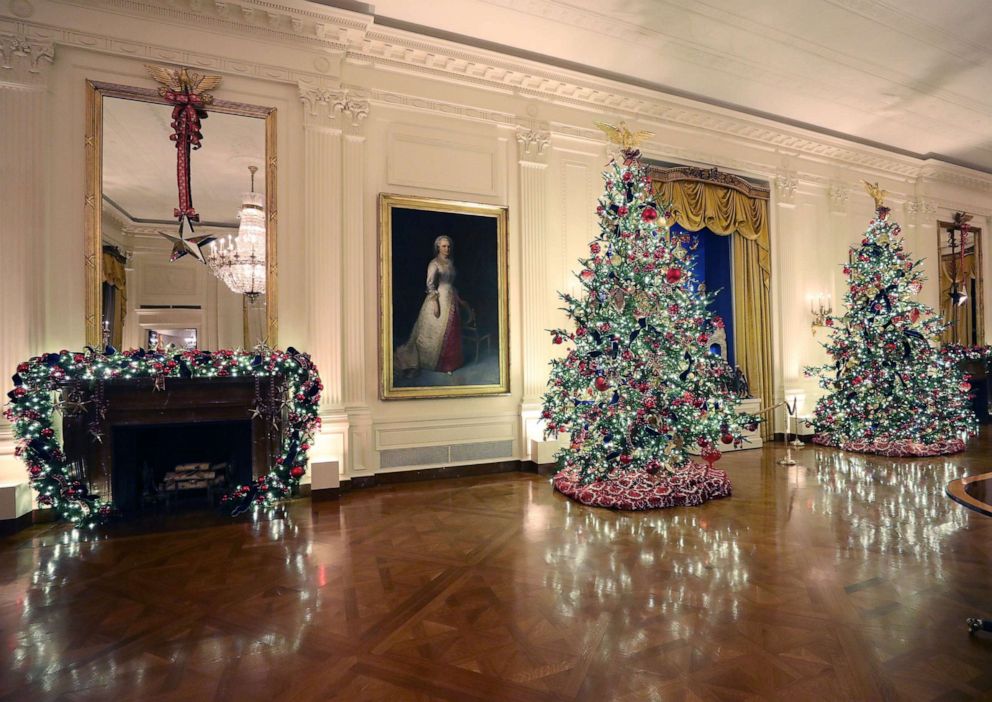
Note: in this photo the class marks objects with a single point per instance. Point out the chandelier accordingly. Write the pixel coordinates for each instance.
(239, 260)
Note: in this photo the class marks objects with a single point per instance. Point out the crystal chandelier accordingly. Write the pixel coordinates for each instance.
(239, 260)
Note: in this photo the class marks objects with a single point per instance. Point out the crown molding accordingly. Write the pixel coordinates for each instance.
(360, 42)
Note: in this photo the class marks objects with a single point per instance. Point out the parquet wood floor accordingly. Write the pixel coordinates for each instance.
(845, 578)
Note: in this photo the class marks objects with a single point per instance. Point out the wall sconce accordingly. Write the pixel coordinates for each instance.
(820, 308)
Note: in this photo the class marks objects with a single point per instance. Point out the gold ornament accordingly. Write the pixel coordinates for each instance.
(619, 300)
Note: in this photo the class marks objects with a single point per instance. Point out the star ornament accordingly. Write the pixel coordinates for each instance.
(192, 245)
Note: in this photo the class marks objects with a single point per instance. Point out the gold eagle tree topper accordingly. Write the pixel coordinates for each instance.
(877, 194)
(621, 136)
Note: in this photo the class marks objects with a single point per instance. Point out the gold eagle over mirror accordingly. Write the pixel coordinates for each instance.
(183, 80)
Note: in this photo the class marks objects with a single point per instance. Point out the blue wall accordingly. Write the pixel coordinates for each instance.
(712, 265)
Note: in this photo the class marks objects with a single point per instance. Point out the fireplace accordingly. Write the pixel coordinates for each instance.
(178, 464)
(184, 444)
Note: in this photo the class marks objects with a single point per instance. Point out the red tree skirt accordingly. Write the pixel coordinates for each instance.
(636, 490)
(898, 447)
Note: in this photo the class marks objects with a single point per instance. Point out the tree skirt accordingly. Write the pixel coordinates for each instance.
(635, 490)
(899, 447)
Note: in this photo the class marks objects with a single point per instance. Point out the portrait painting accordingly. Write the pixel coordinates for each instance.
(442, 298)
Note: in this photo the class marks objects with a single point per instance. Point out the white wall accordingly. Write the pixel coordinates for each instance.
(364, 110)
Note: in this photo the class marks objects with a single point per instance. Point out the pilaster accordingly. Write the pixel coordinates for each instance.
(532, 165)
(24, 68)
(323, 235)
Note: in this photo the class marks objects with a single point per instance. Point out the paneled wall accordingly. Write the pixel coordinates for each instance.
(364, 110)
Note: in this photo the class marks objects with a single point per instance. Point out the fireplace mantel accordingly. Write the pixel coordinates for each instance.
(136, 403)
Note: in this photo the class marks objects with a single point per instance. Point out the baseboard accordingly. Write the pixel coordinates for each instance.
(325, 495)
(780, 437)
(12, 526)
(360, 482)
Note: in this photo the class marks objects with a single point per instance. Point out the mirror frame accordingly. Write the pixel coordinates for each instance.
(93, 208)
(979, 296)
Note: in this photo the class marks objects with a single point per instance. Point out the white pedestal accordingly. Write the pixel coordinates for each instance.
(15, 500)
(752, 439)
(325, 475)
(543, 452)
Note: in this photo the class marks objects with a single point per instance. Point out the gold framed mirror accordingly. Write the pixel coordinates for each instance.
(136, 296)
(961, 288)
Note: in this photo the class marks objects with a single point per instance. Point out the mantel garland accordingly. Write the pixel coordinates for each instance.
(67, 381)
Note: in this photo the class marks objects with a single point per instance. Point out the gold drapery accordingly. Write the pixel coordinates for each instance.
(115, 276)
(728, 211)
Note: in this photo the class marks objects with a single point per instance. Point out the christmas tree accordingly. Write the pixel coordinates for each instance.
(639, 388)
(890, 390)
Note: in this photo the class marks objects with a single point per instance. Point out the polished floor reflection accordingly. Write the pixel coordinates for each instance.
(844, 578)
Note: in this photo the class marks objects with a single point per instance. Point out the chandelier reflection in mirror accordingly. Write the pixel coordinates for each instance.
(239, 260)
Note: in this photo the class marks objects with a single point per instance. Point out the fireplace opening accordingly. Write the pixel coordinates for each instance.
(178, 465)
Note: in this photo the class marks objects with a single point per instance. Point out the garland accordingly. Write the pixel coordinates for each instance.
(67, 381)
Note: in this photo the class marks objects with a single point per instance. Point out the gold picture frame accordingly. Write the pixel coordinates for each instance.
(443, 311)
(966, 321)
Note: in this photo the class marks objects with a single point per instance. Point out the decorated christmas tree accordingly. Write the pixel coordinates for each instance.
(891, 391)
(639, 388)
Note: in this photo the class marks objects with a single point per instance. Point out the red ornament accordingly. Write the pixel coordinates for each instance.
(727, 439)
(914, 314)
(601, 383)
(297, 471)
(673, 275)
(711, 456)
(965, 386)
(557, 339)
(625, 459)
(649, 214)
(594, 248)
(622, 210)
(627, 175)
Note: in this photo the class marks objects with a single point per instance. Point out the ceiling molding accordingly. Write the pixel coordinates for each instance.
(364, 43)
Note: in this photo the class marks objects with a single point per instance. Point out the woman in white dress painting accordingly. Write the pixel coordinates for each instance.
(436, 340)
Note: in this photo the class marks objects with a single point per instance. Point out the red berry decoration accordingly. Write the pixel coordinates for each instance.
(673, 275)
(601, 383)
